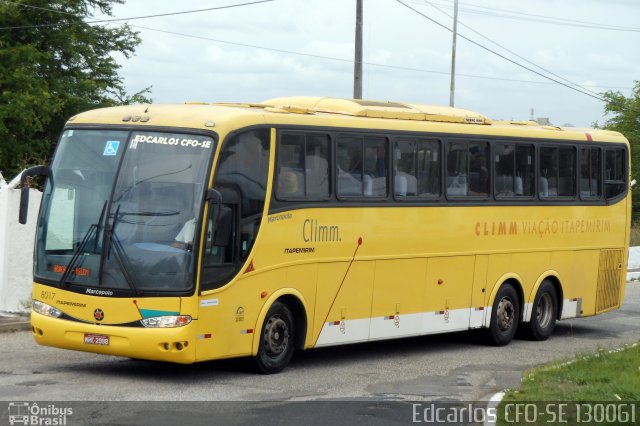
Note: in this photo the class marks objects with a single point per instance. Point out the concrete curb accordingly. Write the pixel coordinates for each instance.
(493, 405)
(14, 323)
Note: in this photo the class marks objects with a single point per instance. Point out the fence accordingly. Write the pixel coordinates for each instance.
(16, 247)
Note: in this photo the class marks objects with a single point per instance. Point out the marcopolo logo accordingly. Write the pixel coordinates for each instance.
(27, 413)
(98, 314)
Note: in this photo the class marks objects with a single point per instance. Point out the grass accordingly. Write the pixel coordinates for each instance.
(601, 377)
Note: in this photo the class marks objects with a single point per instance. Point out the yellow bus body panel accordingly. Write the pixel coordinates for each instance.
(363, 272)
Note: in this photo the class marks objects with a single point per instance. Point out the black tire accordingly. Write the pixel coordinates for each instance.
(276, 340)
(505, 315)
(544, 314)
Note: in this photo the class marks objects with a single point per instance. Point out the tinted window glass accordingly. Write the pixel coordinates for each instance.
(468, 169)
(557, 172)
(242, 169)
(416, 169)
(232, 226)
(317, 166)
(615, 172)
(590, 171)
(290, 179)
(303, 167)
(513, 170)
(548, 181)
(567, 172)
(362, 167)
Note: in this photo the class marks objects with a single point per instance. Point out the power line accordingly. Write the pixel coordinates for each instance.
(350, 61)
(552, 20)
(500, 55)
(37, 7)
(510, 51)
(509, 14)
(310, 55)
(126, 19)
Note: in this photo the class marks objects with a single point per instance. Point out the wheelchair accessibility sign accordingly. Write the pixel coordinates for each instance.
(111, 148)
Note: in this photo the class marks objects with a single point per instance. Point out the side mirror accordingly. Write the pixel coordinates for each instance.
(24, 205)
(24, 192)
(214, 195)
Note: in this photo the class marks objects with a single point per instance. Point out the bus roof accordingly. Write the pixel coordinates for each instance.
(334, 112)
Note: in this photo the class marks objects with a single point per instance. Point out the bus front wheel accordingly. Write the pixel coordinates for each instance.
(276, 340)
(505, 315)
(545, 311)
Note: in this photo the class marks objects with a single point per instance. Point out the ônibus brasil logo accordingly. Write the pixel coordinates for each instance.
(30, 413)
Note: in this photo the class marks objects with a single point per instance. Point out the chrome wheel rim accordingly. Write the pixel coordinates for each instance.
(505, 314)
(276, 336)
(544, 310)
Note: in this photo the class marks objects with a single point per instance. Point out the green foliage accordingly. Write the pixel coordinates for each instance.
(605, 377)
(625, 118)
(49, 73)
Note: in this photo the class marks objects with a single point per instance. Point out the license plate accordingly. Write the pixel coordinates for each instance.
(96, 339)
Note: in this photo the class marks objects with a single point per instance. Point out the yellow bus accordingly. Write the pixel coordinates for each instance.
(202, 231)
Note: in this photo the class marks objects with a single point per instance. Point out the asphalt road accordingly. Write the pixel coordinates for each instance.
(455, 367)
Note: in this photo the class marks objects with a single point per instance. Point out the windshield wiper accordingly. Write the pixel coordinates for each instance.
(76, 255)
(123, 262)
(99, 225)
(119, 253)
(93, 231)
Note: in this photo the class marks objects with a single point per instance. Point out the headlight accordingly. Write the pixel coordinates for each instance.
(167, 321)
(44, 309)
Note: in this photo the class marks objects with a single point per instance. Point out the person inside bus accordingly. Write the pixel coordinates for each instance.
(349, 170)
(184, 239)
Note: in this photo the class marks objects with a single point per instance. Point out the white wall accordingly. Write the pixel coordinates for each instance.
(16, 249)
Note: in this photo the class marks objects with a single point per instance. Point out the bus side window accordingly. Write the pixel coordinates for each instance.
(590, 172)
(290, 180)
(317, 166)
(504, 170)
(457, 165)
(524, 180)
(303, 167)
(548, 180)
(241, 178)
(567, 172)
(468, 169)
(615, 172)
(375, 166)
(416, 169)
(349, 173)
(557, 171)
(513, 170)
(219, 237)
(362, 167)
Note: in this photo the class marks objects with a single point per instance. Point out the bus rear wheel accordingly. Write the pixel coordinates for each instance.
(545, 312)
(276, 340)
(505, 315)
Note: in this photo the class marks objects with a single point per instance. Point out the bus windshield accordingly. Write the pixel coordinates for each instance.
(120, 210)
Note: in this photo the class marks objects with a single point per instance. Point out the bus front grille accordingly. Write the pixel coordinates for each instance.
(609, 270)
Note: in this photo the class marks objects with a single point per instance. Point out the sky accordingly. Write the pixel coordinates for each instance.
(306, 48)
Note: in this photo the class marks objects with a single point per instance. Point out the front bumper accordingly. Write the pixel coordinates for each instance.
(157, 344)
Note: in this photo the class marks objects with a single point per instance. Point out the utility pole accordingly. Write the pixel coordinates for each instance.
(357, 70)
(453, 53)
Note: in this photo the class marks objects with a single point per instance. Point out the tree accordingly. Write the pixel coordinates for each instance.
(53, 65)
(625, 118)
